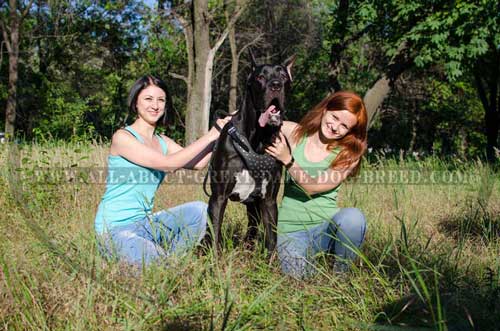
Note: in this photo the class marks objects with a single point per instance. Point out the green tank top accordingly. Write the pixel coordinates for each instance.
(298, 210)
(130, 190)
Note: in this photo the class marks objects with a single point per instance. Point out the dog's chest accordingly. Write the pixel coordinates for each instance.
(252, 181)
(249, 187)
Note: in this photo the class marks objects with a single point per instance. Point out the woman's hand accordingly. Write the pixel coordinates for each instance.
(280, 150)
(221, 122)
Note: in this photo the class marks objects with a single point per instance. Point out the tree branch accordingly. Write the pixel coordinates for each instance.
(56, 36)
(180, 18)
(400, 62)
(5, 36)
(493, 84)
(481, 90)
(251, 43)
(188, 35)
(230, 24)
(1, 53)
(27, 9)
(177, 76)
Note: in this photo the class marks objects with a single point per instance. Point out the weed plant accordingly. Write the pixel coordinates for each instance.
(430, 260)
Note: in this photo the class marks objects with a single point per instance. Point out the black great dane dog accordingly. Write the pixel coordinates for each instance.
(240, 170)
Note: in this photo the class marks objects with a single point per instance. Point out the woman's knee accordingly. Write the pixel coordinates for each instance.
(198, 217)
(293, 257)
(350, 219)
(197, 207)
(129, 246)
(190, 212)
(200, 209)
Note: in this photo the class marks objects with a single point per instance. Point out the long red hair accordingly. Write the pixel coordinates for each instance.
(353, 144)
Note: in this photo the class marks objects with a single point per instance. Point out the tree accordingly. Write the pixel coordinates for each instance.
(11, 21)
(235, 54)
(465, 38)
(275, 30)
(201, 57)
(78, 69)
(460, 36)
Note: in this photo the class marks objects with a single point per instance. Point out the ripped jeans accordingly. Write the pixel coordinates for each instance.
(167, 232)
(342, 236)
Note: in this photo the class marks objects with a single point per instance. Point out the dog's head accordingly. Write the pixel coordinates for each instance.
(268, 86)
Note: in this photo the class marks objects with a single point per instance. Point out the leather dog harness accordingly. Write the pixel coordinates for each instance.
(258, 165)
(254, 162)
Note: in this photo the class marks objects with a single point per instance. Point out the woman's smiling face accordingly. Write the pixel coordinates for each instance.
(335, 124)
(151, 104)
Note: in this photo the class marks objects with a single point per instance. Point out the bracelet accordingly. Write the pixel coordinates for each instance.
(290, 164)
(217, 127)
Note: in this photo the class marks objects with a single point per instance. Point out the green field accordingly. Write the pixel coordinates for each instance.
(430, 260)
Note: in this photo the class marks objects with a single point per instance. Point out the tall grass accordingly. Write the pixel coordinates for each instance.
(430, 260)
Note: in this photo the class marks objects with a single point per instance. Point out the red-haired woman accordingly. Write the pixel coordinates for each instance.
(326, 148)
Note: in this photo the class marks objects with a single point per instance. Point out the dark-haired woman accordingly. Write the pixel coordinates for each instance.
(326, 148)
(137, 162)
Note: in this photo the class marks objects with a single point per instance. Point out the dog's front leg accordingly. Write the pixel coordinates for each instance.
(269, 212)
(253, 215)
(216, 208)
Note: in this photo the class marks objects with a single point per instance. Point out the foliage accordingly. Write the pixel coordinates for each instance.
(79, 59)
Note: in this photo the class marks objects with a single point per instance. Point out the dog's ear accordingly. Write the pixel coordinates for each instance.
(252, 58)
(289, 63)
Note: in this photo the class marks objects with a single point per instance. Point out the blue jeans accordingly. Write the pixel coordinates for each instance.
(167, 232)
(346, 230)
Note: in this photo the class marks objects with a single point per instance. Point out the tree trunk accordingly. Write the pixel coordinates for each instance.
(492, 115)
(491, 112)
(12, 42)
(197, 112)
(233, 79)
(376, 95)
(338, 44)
(10, 111)
(201, 58)
(414, 120)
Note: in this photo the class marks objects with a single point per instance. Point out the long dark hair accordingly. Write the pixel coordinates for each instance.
(140, 85)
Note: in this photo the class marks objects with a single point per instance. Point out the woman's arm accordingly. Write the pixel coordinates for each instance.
(131, 149)
(325, 181)
(198, 162)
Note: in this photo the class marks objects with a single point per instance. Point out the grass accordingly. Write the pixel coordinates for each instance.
(430, 260)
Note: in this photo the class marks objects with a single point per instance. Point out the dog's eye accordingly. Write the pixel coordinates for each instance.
(261, 77)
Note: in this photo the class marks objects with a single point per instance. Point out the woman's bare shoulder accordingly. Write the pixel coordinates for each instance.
(288, 128)
(120, 138)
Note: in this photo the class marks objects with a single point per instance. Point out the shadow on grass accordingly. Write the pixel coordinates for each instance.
(181, 325)
(475, 222)
(471, 305)
(444, 287)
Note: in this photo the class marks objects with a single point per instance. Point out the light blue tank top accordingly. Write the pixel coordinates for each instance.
(130, 190)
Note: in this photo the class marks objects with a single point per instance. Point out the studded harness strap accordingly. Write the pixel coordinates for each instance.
(255, 163)
(258, 165)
